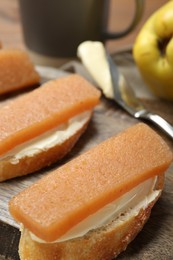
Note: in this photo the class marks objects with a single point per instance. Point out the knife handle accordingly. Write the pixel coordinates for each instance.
(159, 121)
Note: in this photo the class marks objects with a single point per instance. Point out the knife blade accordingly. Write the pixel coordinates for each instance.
(126, 98)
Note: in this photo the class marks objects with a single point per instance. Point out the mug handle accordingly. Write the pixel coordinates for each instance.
(137, 16)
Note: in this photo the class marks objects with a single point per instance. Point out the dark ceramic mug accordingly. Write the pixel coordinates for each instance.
(53, 29)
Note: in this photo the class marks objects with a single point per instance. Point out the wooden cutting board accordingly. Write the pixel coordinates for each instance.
(156, 239)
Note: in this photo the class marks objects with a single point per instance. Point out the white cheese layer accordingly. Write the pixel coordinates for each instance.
(47, 140)
(137, 198)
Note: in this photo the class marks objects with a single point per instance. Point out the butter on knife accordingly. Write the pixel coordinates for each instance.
(93, 57)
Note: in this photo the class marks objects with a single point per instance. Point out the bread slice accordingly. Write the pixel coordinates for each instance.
(29, 164)
(93, 206)
(16, 71)
(42, 126)
(105, 242)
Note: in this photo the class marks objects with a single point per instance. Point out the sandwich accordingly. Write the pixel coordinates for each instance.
(16, 71)
(93, 206)
(42, 126)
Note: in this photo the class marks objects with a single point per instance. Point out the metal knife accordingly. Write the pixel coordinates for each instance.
(105, 72)
(126, 98)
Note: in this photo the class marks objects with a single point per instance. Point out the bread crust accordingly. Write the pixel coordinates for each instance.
(103, 243)
(34, 163)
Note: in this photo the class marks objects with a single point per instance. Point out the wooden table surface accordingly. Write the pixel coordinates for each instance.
(156, 239)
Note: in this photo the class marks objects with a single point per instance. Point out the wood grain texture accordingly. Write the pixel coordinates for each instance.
(9, 239)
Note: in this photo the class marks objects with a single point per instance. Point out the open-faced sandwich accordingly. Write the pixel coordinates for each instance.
(16, 71)
(93, 206)
(42, 126)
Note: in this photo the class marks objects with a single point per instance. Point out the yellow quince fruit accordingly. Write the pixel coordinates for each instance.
(153, 52)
